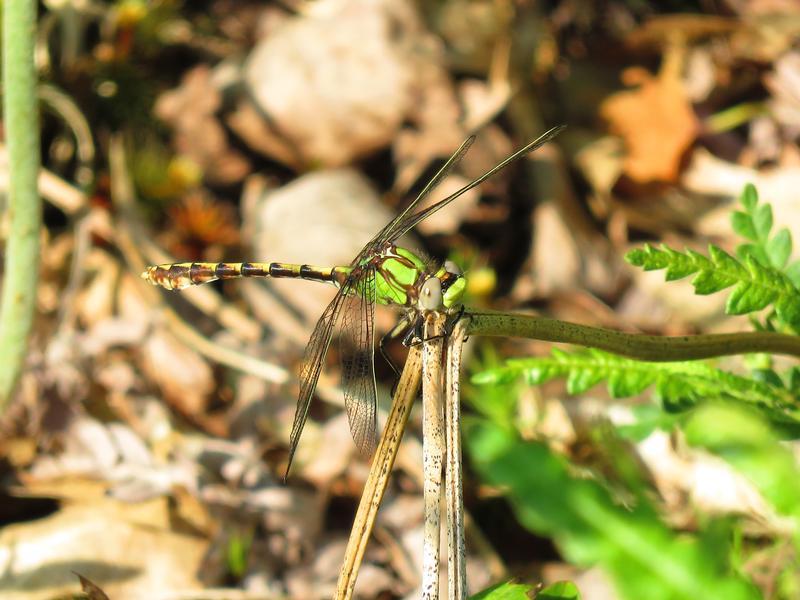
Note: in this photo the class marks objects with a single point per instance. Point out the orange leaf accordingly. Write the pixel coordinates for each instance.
(656, 122)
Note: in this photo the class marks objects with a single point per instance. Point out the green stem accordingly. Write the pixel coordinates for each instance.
(643, 347)
(21, 123)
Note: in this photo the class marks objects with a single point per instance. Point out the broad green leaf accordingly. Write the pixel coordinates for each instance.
(506, 591)
(561, 590)
(640, 554)
(747, 442)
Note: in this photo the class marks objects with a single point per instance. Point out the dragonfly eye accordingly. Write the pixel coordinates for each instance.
(452, 267)
(430, 296)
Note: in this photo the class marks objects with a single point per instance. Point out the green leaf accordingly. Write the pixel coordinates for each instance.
(754, 224)
(561, 590)
(679, 386)
(639, 553)
(749, 197)
(752, 251)
(793, 379)
(505, 591)
(743, 225)
(762, 221)
(779, 248)
(747, 442)
(793, 273)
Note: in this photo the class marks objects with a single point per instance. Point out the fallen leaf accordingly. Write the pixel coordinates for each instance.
(656, 121)
(126, 549)
(183, 376)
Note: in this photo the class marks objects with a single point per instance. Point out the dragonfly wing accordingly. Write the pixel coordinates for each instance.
(387, 232)
(358, 362)
(406, 221)
(313, 361)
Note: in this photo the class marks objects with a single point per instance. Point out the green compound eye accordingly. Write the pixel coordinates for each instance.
(454, 292)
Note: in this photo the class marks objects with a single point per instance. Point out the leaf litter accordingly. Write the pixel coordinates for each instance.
(293, 132)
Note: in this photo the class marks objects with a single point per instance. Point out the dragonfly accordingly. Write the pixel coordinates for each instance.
(381, 273)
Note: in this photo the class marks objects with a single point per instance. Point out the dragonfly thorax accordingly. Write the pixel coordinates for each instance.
(403, 278)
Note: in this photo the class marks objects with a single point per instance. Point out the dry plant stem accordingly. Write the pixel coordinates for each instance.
(379, 473)
(221, 354)
(21, 122)
(454, 493)
(642, 347)
(65, 107)
(432, 450)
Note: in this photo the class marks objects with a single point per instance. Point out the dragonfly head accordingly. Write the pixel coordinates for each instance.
(442, 289)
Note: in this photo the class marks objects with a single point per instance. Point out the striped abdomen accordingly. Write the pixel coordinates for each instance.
(177, 276)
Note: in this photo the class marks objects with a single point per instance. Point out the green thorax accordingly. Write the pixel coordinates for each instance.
(399, 275)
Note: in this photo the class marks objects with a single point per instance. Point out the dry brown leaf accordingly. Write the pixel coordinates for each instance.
(183, 376)
(601, 162)
(95, 301)
(710, 484)
(655, 120)
(126, 549)
(438, 130)
(334, 451)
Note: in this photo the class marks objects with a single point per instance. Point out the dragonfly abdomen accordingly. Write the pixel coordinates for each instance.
(177, 276)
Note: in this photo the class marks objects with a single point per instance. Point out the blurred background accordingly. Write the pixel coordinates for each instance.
(146, 446)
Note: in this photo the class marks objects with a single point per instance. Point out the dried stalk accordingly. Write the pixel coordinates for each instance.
(454, 491)
(432, 450)
(379, 473)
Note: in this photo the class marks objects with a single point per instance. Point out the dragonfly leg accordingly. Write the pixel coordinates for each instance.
(394, 333)
(414, 337)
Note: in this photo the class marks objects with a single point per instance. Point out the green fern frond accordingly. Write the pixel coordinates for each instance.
(759, 273)
(756, 286)
(754, 223)
(678, 385)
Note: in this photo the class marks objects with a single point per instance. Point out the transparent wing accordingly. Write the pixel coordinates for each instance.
(385, 233)
(406, 221)
(358, 362)
(313, 361)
